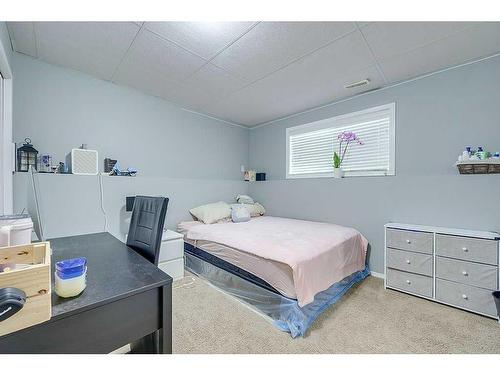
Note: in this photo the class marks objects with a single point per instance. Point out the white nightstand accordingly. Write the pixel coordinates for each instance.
(171, 259)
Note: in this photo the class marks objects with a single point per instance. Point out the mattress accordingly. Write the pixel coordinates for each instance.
(298, 258)
(276, 274)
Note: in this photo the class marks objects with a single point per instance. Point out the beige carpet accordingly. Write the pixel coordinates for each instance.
(368, 319)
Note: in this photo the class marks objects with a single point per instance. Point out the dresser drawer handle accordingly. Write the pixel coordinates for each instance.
(465, 249)
(465, 273)
(408, 241)
(408, 261)
(408, 282)
(464, 296)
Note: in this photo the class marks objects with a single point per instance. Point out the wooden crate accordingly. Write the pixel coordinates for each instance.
(34, 281)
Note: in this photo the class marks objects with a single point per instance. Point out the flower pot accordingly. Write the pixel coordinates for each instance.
(338, 173)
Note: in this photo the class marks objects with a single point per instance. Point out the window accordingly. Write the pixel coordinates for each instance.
(310, 147)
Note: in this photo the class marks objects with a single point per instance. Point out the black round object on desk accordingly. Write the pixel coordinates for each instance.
(11, 301)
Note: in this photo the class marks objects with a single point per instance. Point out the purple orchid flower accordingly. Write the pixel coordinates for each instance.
(349, 137)
(345, 137)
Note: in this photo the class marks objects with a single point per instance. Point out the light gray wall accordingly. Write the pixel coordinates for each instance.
(70, 204)
(60, 109)
(436, 117)
(191, 159)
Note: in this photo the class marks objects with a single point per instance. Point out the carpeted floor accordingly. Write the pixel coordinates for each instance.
(368, 319)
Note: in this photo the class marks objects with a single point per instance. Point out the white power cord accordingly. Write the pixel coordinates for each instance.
(38, 223)
(101, 190)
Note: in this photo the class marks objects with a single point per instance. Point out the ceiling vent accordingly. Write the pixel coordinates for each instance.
(357, 84)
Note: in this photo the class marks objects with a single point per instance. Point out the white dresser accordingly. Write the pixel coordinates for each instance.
(456, 267)
(171, 259)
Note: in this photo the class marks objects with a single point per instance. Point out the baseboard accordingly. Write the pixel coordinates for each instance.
(377, 275)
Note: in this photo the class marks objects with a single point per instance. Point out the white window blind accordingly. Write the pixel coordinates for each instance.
(310, 147)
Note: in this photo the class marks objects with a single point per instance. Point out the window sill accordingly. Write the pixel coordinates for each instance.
(346, 175)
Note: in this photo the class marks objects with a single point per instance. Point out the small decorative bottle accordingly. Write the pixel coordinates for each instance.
(465, 154)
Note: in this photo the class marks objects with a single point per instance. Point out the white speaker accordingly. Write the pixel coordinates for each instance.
(83, 161)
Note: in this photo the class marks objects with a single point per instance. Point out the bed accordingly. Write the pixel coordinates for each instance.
(289, 270)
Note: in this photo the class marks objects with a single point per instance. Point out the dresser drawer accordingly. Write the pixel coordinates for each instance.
(410, 282)
(408, 261)
(466, 296)
(472, 249)
(475, 274)
(421, 242)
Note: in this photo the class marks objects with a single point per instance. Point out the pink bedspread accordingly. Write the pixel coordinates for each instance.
(319, 254)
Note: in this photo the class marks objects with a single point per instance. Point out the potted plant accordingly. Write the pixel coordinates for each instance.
(345, 138)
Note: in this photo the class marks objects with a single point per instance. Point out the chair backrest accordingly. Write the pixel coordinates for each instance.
(146, 226)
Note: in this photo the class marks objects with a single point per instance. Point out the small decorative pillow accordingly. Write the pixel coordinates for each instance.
(239, 213)
(212, 212)
(244, 199)
(255, 209)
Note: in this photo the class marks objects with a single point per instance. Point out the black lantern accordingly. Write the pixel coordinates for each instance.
(26, 156)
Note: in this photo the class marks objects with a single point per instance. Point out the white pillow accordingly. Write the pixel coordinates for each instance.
(239, 213)
(212, 212)
(255, 209)
(244, 199)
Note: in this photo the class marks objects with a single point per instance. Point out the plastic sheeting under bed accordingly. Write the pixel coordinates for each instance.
(285, 313)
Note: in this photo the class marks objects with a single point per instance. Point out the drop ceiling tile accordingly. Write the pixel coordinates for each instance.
(214, 81)
(305, 64)
(344, 55)
(388, 39)
(313, 80)
(272, 45)
(321, 69)
(92, 47)
(146, 81)
(243, 107)
(22, 36)
(193, 98)
(154, 65)
(475, 42)
(252, 107)
(202, 38)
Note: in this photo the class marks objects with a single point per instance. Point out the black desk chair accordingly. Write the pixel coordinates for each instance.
(146, 226)
(144, 236)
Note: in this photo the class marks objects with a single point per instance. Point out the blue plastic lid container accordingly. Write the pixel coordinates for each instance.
(69, 268)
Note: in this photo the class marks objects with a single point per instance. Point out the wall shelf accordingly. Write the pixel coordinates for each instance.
(488, 166)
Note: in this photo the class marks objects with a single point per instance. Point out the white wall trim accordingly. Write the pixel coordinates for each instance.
(373, 91)
(7, 198)
(378, 275)
(6, 178)
(4, 63)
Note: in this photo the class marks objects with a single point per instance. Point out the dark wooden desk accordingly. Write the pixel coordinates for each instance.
(127, 300)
